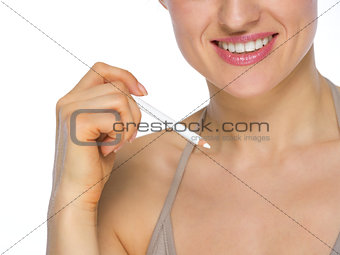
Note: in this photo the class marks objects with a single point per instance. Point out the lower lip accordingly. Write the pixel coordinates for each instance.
(245, 59)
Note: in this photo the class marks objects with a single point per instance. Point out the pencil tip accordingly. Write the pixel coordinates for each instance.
(206, 145)
(203, 143)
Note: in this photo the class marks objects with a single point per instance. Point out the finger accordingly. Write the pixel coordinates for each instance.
(136, 114)
(105, 89)
(106, 150)
(87, 128)
(101, 73)
(99, 90)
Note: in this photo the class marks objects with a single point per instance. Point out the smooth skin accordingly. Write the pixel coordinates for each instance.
(297, 170)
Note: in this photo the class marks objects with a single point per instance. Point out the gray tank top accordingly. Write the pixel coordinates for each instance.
(162, 239)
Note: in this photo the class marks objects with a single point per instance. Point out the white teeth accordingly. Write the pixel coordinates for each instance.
(265, 41)
(245, 47)
(239, 47)
(258, 44)
(231, 47)
(250, 46)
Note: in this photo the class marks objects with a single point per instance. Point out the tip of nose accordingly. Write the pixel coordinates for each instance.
(239, 17)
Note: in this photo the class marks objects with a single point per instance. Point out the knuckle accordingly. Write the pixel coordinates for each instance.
(60, 102)
(127, 72)
(65, 112)
(99, 65)
(123, 71)
(121, 99)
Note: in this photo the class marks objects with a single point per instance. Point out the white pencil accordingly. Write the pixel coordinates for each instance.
(152, 111)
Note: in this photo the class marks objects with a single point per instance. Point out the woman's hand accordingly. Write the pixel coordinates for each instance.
(80, 172)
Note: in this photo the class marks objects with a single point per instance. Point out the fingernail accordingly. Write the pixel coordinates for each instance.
(142, 89)
(133, 137)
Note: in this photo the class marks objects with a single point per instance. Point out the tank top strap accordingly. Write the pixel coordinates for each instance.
(336, 99)
(175, 184)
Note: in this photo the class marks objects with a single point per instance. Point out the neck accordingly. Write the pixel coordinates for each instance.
(298, 111)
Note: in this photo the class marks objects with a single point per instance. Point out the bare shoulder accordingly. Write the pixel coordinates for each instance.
(135, 192)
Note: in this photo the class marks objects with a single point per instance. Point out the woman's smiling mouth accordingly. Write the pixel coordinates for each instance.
(245, 49)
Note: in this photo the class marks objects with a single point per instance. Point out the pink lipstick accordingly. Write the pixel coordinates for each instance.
(245, 49)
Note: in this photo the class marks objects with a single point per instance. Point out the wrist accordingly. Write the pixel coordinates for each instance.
(70, 229)
(70, 196)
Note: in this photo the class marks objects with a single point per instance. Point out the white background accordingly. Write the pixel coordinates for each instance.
(35, 72)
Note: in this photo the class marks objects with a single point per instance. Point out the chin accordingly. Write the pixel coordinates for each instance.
(248, 85)
(248, 90)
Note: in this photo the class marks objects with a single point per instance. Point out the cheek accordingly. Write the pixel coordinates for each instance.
(298, 32)
(190, 19)
(295, 15)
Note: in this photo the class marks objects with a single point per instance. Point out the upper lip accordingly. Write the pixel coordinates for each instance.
(245, 38)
